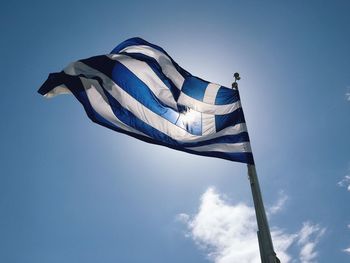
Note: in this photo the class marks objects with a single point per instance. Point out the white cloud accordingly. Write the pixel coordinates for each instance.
(183, 218)
(347, 250)
(347, 94)
(282, 242)
(345, 182)
(309, 236)
(279, 204)
(227, 233)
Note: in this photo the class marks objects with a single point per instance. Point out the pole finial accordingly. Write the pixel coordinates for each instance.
(235, 84)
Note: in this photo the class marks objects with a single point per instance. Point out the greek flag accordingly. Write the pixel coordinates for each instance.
(139, 90)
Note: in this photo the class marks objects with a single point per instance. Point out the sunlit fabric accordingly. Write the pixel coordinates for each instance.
(139, 90)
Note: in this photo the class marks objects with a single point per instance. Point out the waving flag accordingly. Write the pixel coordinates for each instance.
(139, 90)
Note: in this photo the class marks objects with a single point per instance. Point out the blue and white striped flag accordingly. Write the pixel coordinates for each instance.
(139, 90)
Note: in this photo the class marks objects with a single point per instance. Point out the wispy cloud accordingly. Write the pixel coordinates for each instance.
(282, 198)
(347, 250)
(347, 94)
(345, 182)
(227, 233)
(309, 236)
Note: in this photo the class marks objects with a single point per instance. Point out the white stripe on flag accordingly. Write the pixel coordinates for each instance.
(210, 93)
(98, 101)
(223, 147)
(144, 72)
(208, 120)
(207, 108)
(62, 89)
(231, 130)
(208, 124)
(163, 60)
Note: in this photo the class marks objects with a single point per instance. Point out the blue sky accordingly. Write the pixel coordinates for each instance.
(73, 191)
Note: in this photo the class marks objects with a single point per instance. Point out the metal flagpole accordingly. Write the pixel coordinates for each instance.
(267, 252)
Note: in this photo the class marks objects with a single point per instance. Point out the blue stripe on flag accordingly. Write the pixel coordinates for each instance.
(194, 87)
(130, 83)
(230, 119)
(237, 138)
(100, 63)
(226, 96)
(127, 80)
(157, 70)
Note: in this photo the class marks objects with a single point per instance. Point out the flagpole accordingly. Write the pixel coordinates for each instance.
(267, 253)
